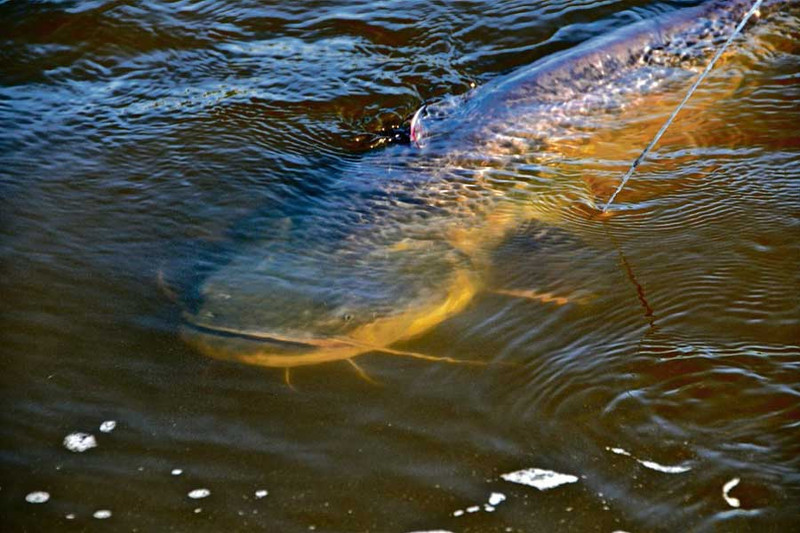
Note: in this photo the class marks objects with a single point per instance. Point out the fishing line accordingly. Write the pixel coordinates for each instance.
(638, 160)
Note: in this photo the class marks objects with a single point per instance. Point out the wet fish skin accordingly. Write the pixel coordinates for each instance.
(396, 245)
(675, 40)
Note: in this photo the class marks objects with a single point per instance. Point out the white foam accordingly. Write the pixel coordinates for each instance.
(79, 442)
(432, 531)
(261, 493)
(496, 498)
(108, 426)
(197, 494)
(176, 472)
(102, 514)
(37, 497)
(652, 465)
(70, 516)
(663, 468)
(539, 478)
(726, 489)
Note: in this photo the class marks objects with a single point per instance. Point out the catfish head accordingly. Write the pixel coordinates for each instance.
(323, 294)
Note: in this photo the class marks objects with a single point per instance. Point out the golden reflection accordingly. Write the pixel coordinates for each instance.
(602, 158)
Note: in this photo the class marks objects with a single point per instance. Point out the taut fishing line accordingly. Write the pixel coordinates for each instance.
(643, 155)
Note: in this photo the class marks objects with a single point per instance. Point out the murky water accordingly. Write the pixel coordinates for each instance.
(649, 360)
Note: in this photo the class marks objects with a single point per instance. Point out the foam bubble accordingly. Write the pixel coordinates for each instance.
(79, 442)
(496, 498)
(726, 489)
(176, 472)
(539, 478)
(108, 426)
(198, 494)
(652, 465)
(664, 468)
(102, 514)
(261, 493)
(37, 497)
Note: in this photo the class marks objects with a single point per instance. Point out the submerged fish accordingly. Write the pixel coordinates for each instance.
(400, 243)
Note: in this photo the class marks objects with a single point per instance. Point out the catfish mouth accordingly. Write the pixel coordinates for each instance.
(277, 350)
(272, 350)
(233, 343)
(279, 342)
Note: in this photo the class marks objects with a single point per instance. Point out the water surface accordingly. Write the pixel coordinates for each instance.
(142, 136)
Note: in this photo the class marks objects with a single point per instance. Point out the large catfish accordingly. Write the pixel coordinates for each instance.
(399, 243)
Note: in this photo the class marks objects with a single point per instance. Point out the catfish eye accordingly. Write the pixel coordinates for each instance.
(348, 317)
